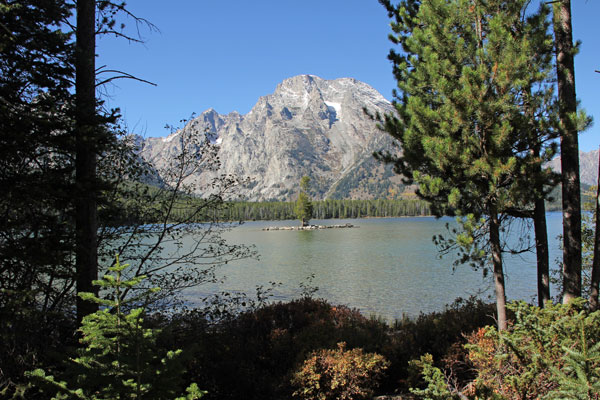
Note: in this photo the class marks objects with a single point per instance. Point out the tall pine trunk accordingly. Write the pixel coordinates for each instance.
(541, 250)
(595, 281)
(539, 220)
(499, 285)
(86, 263)
(569, 151)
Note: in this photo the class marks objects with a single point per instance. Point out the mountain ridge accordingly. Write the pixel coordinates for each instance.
(307, 126)
(588, 166)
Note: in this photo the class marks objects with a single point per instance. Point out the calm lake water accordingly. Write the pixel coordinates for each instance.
(387, 267)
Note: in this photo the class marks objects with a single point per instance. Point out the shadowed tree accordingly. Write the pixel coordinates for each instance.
(69, 184)
(569, 150)
(36, 166)
(86, 132)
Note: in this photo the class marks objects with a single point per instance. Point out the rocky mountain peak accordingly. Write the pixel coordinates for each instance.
(307, 126)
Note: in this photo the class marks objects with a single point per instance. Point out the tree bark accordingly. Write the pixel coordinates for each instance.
(595, 281)
(569, 151)
(498, 269)
(86, 263)
(541, 250)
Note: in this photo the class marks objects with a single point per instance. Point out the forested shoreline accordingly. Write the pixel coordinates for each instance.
(325, 209)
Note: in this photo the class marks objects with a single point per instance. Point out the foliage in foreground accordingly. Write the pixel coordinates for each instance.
(549, 353)
(253, 355)
(118, 360)
(339, 374)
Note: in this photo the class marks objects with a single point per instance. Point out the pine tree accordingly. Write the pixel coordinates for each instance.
(36, 223)
(304, 207)
(464, 74)
(35, 166)
(118, 359)
(548, 353)
(579, 377)
(86, 152)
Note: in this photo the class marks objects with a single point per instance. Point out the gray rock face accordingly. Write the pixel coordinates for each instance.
(308, 126)
(588, 166)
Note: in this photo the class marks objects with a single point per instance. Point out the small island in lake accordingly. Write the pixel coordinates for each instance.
(307, 227)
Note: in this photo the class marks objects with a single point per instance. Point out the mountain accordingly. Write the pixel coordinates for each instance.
(588, 166)
(307, 126)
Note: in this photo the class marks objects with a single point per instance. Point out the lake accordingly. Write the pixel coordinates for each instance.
(387, 267)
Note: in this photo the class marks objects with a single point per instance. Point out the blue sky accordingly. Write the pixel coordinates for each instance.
(226, 54)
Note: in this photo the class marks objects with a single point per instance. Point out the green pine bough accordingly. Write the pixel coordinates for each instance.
(548, 353)
(117, 358)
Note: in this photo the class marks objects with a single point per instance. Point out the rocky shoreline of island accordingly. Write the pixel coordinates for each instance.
(308, 227)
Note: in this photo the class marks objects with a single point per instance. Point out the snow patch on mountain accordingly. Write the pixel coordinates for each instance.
(334, 107)
(170, 137)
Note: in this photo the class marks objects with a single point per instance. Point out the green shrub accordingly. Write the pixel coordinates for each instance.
(254, 355)
(552, 352)
(118, 358)
(441, 334)
(437, 387)
(339, 374)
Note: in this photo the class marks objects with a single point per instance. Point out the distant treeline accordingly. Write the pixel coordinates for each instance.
(325, 209)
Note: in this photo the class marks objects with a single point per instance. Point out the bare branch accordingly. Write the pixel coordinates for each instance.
(138, 21)
(120, 35)
(123, 75)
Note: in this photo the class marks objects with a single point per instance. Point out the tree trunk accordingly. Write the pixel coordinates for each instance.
(569, 151)
(595, 283)
(541, 250)
(86, 263)
(498, 269)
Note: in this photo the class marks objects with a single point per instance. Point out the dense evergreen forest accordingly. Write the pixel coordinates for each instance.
(326, 209)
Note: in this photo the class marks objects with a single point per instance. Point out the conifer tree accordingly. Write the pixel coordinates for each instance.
(465, 76)
(36, 241)
(35, 102)
(118, 359)
(304, 207)
(579, 377)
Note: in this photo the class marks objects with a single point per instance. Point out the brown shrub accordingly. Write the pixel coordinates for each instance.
(339, 374)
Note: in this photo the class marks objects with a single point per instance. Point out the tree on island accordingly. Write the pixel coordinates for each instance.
(304, 207)
(470, 80)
